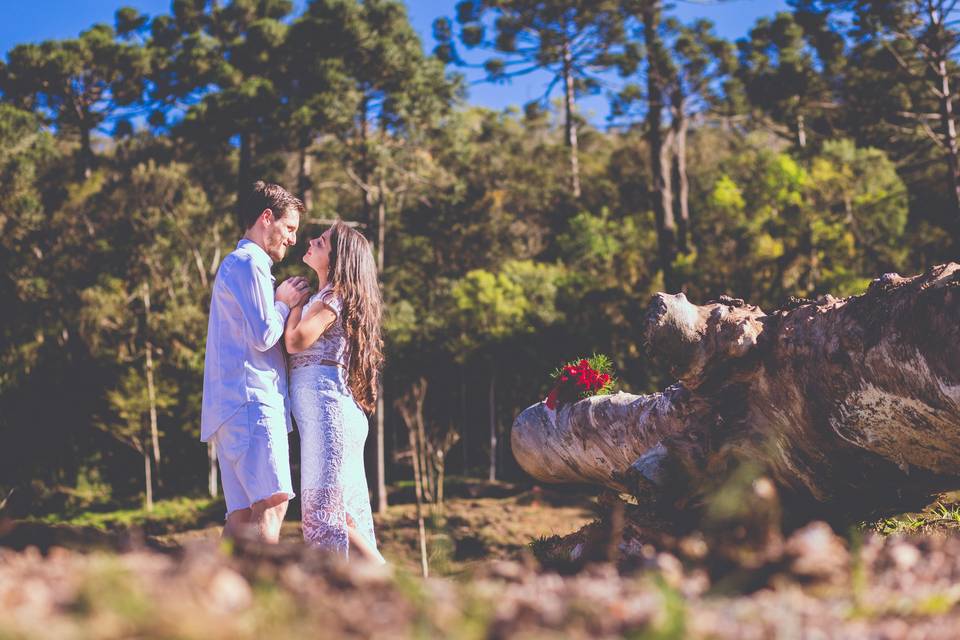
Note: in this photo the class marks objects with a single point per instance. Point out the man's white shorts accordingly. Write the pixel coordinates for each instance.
(254, 456)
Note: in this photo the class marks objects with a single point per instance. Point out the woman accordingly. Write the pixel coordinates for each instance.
(335, 357)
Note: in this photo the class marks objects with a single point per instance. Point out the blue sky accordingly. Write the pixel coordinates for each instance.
(37, 20)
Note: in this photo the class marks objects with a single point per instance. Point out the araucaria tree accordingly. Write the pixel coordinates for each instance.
(572, 41)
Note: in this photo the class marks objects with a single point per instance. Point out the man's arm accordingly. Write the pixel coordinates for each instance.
(264, 313)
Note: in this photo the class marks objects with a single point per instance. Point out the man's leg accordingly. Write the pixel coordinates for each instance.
(238, 522)
(267, 516)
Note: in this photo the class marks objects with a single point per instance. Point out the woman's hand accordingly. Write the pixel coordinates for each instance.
(303, 329)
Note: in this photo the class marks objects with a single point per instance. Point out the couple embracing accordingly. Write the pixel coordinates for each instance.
(332, 336)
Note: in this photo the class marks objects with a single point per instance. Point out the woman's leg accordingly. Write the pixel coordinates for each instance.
(363, 548)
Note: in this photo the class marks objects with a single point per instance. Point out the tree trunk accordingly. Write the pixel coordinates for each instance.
(365, 170)
(570, 124)
(212, 484)
(246, 167)
(148, 479)
(381, 458)
(950, 136)
(407, 407)
(381, 222)
(492, 408)
(151, 388)
(463, 421)
(851, 407)
(304, 176)
(801, 132)
(419, 396)
(660, 164)
(85, 154)
(679, 127)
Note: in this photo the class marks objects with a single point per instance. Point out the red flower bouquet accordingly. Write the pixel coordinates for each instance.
(581, 379)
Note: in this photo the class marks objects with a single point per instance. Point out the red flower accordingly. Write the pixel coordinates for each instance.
(552, 399)
(575, 381)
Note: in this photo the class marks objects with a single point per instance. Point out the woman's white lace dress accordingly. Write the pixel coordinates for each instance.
(333, 429)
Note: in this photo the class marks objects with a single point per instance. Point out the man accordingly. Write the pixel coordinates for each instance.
(246, 411)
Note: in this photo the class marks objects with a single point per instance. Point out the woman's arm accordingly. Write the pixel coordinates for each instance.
(303, 329)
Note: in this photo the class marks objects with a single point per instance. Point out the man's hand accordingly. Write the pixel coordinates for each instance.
(293, 291)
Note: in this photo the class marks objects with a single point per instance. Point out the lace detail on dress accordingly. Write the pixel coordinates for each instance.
(333, 430)
(325, 519)
(332, 343)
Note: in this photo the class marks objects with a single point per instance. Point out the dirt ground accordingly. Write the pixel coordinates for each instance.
(464, 533)
(485, 582)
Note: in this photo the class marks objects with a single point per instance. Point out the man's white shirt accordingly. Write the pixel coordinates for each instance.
(244, 361)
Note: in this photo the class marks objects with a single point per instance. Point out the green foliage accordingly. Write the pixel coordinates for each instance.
(772, 225)
(175, 514)
(494, 306)
(937, 516)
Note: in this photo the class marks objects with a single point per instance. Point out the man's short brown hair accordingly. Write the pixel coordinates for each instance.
(264, 195)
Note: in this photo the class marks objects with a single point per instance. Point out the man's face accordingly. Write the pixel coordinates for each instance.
(282, 233)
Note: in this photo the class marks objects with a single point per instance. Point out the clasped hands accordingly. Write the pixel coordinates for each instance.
(294, 291)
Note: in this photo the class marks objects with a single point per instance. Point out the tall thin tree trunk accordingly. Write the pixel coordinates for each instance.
(381, 458)
(151, 387)
(680, 125)
(660, 165)
(365, 169)
(85, 156)
(381, 221)
(493, 423)
(420, 394)
(304, 177)
(463, 421)
(246, 166)
(570, 124)
(381, 455)
(801, 131)
(212, 484)
(418, 492)
(950, 135)
(148, 479)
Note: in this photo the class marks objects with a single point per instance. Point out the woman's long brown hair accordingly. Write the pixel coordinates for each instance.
(353, 275)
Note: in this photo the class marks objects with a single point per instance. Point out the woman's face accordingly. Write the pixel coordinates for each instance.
(318, 252)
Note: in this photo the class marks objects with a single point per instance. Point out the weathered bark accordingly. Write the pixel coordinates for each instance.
(851, 406)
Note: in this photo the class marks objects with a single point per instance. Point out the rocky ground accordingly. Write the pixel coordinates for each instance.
(488, 582)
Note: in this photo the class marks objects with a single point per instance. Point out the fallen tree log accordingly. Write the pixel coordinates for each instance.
(850, 406)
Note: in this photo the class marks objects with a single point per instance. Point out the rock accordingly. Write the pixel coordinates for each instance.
(815, 553)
